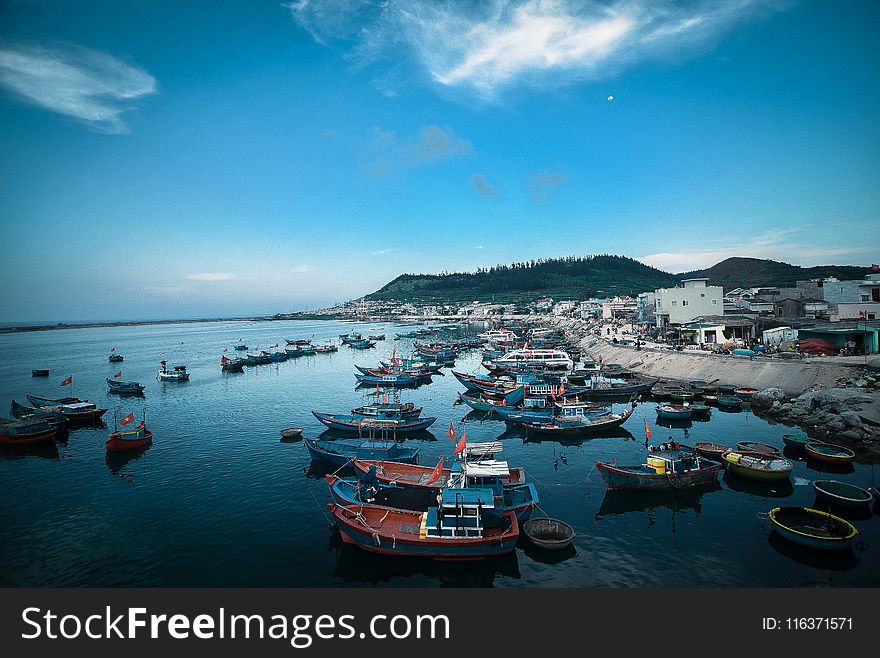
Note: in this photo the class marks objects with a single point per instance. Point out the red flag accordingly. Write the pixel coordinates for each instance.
(275, 345)
(67, 381)
(562, 388)
(117, 375)
(377, 390)
(112, 349)
(225, 348)
(461, 444)
(451, 432)
(436, 473)
(600, 359)
(393, 353)
(127, 419)
(875, 266)
(384, 398)
(647, 431)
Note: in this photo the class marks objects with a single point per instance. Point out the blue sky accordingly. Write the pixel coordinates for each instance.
(197, 159)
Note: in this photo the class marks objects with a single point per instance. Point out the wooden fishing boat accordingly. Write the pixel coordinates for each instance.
(123, 440)
(115, 358)
(577, 425)
(297, 342)
(177, 374)
(388, 410)
(54, 418)
(361, 424)
(812, 528)
(28, 432)
(464, 526)
(754, 446)
(682, 396)
(241, 347)
(796, 441)
(549, 534)
(277, 357)
(757, 466)
(291, 433)
(51, 402)
(712, 451)
(710, 399)
(610, 390)
(673, 411)
(829, 453)
(376, 337)
(39, 373)
(78, 413)
(325, 348)
(341, 453)
(729, 402)
(125, 388)
(361, 344)
(396, 380)
(293, 351)
(745, 393)
(842, 494)
(663, 470)
(232, 365)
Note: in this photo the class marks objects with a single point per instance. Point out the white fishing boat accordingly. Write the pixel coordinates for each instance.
(544, 358)
(177, 374)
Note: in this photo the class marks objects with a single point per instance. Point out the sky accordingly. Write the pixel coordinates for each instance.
(202, 159)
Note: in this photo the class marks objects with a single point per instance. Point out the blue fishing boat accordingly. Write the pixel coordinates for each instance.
(361, 344)
(673, 468)
(729, 402)
(813, 528)
(388, 410)
(293, 351)
(341, 453)
(673, 411)
(394, 380)
(125, 388)
(240, 346)
(361, 424)
(115, 358)
(278, 356)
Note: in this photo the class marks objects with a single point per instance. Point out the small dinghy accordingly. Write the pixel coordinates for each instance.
(39, 373)
(830, 453)
(729, 402)
(754, 446)
(812, 528)
(842, 494)
(291, 434)
(549, 534)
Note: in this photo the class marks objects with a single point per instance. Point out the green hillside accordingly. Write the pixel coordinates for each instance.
(560, 278)
(751, 272)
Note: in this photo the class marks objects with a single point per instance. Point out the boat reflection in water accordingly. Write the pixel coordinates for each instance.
(768, 489)
(537, 437)
(840, 560)
(828, 467)
(44, 450)
(674, 424)
(543, 555)
(618, 502)
(367, 435)
(356, 566)
(117, 460)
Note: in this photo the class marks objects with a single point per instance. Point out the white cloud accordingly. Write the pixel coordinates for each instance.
(210, 276)
(87, 85)
(489, 47)
(301, 269)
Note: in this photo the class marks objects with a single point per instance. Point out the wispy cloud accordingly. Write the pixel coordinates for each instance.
(382, 252)
(431, 145)
(492, 46)
(775, 245)
(301, 269)
(210, 276)
(483, 187)
(539, 184)
(90, 86)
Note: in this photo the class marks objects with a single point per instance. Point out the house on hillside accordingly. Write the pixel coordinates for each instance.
(684, 304)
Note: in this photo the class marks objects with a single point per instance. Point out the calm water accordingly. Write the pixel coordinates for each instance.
(218, 500)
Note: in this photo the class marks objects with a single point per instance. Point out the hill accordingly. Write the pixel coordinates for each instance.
(560, 278)
(751, 272)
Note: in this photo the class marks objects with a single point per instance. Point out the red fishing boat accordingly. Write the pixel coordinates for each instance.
(27, 433)
(123, 440)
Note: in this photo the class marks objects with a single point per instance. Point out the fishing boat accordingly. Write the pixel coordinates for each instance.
(842, 494)
(394, 380)
(549, 534)
(232, 365)
(123, 440)
(712, 451)
(681, 396)
(667, 469)
(125, 388)
(360, 424)
(602, 389)
(796, 441)
(78, 413)
(39, 373)
(577, 425)
(829, 453)
(673, 411)
(388, 410)
(745, 393)
(376, 337)
(549, 359)
(812, 528)
(754, 446)
(115, 358)
(465, 525)
(51, 402)
(293, 351)
(700, 410)
(297, 342)
(177, 374)
(54, 418)
(325, 348)
(29, 432)
(241, 347)
(757, 466)
(729, 402)
(341, 453)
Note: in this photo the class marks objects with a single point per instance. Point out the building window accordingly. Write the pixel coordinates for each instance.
(702, 295)
(673, 302)
(684, 302)
(715, 302)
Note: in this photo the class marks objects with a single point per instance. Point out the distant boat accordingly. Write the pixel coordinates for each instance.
(123, 440)
(79, 412)
(39, 373)
(232, 365)
(113, 358)
(340, 453)
(829, 453)
(389, 380)
(125, 388)
(25, 433)
(326, 348)
(842, 494)
(178, 374)
(673, 411)
(361, 424)
(376, 336)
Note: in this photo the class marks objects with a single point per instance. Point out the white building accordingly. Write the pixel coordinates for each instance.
(692, 300)
(564, 307)
(774, 337)
(619, 307)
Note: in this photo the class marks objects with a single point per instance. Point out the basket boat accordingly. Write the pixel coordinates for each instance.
(547, 533)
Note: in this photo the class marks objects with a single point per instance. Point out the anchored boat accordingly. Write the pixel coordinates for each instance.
(664, 470)
(813, 528)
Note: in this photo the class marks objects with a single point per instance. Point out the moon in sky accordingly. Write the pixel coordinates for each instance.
(611, 98)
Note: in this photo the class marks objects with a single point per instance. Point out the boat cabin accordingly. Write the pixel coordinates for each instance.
(672, 460)
(461, 513)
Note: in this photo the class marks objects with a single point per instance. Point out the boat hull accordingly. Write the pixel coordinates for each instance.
(341, 455)
(784, 528)
(361, 424)
(117, 444)
(629, 479)
(840, 455)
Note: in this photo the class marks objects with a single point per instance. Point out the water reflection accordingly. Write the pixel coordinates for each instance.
(354, 565)
(354, 437)
(117, 460)
(840, 560)
(675, 424)
(545, 556)
(623, 502)
(851, 513)
(826, 467)
(44, 450)
(769, 489)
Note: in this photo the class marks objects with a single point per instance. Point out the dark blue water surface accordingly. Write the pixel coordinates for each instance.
(219, 500)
